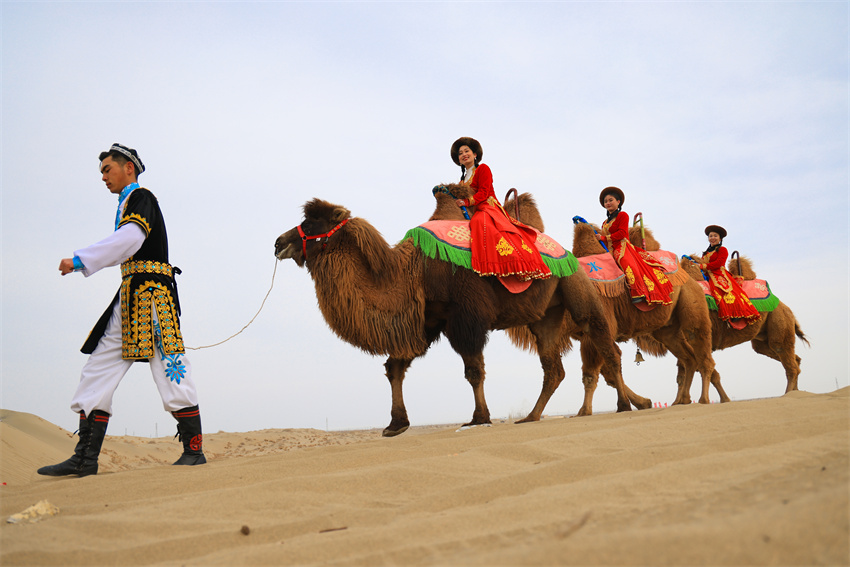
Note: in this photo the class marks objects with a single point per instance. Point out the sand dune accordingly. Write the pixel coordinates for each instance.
(762, 482)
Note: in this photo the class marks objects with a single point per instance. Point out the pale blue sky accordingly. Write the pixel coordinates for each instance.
(733, 113)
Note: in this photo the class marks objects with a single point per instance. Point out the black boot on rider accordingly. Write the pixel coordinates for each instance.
(84, 460)
(189, 432)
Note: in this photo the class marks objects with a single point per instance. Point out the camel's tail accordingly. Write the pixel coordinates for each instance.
(799, 332)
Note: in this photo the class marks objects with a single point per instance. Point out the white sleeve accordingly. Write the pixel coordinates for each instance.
(112, 250)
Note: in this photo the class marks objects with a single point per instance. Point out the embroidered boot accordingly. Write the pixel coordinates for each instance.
(189, 432)
(84, 460)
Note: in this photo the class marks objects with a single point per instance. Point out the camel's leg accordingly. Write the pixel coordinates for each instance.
(715, 381)
(591, 365)
(705, 365)
(689, 338)
(467, 332)
(585, 307)
(547, 334)
(396, 369)
(612, 371)
(693, 352)
(638, 401)
(686, 357)
(553, 375)
(684, 379)
(778, 351)
(473, 369)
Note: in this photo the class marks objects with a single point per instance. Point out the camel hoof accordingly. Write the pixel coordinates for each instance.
(527, 419)
(393, 432)
(466, 426)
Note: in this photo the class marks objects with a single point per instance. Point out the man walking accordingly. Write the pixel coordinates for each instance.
(140, 324)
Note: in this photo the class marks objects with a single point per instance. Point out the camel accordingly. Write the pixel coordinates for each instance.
(523, 207)
(395, 301)
(774, 335)
(683, 327)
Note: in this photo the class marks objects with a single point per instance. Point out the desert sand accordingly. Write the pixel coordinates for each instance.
(760, 482)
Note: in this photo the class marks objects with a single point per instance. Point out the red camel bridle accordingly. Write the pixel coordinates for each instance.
(318, 237)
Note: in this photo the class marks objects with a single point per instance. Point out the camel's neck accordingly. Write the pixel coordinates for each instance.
(371, 298)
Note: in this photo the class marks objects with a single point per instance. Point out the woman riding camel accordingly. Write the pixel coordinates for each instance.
(644, 274)
(733, 305)
(501, 246)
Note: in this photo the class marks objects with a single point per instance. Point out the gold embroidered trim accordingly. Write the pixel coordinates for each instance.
(145, 267)
(139, 220)
(137, 322)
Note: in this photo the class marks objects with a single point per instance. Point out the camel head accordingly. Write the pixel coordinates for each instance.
(321, 220)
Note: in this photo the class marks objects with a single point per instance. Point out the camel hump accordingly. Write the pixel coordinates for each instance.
(529, 214)
(585, 242)
(746, 267)
(635, 237)
(447, 208)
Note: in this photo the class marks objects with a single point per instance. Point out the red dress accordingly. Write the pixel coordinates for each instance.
(644, 274)
(501, 246)
(732, 302)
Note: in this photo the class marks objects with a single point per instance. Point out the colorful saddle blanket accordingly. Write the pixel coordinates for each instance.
(603, 267)
(757, 290)
(450, 241)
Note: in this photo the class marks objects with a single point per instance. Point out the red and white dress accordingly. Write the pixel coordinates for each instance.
(501, 246)
(732, 302)
(644, 274)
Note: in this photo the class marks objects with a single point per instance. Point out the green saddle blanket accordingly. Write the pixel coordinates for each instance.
(450, 241)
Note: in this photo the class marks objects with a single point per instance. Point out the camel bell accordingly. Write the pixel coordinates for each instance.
(638, 357)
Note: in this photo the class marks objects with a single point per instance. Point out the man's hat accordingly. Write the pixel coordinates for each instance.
(615, 191)
(473, 145)
(715, 228)
(129, 153)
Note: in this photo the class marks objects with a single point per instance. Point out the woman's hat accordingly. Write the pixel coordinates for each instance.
(473, 145)
(715, 228)
(615, 191)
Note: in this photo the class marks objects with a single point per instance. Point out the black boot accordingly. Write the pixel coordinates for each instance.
(84, 460)
(189, 432)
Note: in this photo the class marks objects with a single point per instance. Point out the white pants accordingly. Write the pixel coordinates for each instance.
(105, 369)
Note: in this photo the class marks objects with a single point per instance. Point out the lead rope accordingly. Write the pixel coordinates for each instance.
(252, 318)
